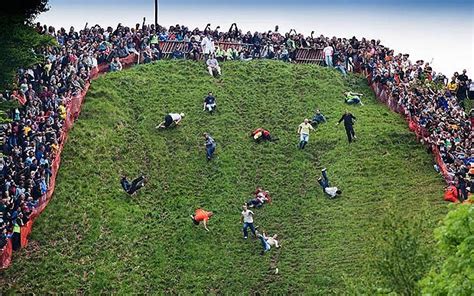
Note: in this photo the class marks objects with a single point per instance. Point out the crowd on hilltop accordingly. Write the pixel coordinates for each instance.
(33, 137)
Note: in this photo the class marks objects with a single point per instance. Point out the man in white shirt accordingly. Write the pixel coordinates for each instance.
(303, 131)
(171, 119)
(207, 46)
(328, 52)
(247, 219)
(324, 182)
(213, 65)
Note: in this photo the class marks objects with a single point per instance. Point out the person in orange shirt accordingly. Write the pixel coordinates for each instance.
(203, 216)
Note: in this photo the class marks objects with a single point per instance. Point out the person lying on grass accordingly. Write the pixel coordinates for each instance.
(261, 197)
(201, 216)
(210, 103)
(267, 242)
(261, 134)
(352, 98)
(318, 118)
(170, 120)
(324, 182)
(132, 188)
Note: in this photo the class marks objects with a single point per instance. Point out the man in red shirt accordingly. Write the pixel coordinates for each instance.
(203, 216)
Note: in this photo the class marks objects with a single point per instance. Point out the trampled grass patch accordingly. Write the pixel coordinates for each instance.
(93, 238)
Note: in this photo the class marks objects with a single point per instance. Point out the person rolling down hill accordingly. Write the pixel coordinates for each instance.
(201, 216)
(352, 98)
(267, 242)
(210, 144)
(318, 118)
(210, 103)
(261, 134)
(261, 197)
(324, 182)
(348, 119)
(132, 188)
(303, 131)
(171, 119)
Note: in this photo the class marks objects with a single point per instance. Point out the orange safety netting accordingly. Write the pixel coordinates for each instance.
(383, 94)
(73, 108)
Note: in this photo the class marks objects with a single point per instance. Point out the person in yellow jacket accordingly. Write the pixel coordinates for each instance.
(62, 111)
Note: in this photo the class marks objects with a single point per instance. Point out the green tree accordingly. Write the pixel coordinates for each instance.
(454, 275)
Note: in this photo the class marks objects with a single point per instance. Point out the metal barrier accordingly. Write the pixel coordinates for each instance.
(302, 55)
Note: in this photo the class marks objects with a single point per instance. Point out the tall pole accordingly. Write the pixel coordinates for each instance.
(156, 15)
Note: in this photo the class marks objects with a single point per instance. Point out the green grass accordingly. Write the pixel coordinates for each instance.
(93, 238)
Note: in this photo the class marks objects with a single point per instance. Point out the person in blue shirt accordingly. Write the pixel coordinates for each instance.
(318, 118)
(210, 146)
(210, 103)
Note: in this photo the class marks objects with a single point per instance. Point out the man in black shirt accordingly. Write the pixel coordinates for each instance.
(348, 119)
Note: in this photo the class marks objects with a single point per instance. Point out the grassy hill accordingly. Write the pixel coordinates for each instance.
(94, 238)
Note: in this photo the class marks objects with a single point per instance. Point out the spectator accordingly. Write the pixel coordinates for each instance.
(116, 65)
(213, 66)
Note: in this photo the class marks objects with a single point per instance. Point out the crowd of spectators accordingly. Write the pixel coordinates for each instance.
(32, 139)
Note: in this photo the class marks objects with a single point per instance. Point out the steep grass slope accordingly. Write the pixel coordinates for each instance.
(94, 238)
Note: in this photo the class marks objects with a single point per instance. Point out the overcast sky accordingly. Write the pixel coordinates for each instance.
(432, 30)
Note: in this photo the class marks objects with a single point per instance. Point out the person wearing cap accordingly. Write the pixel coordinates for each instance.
(303, 131)
(210, 103)
(324, 182)
(171, 119)
(201, 216)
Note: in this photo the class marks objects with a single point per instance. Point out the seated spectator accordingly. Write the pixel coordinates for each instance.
(352, 98)
(132, 188)
(451, 193)
(220, 53)
(318, 118)
(213, 66)
(171, 119)
(115, 65)
(210, 103)
(332, 192)
(232, 53)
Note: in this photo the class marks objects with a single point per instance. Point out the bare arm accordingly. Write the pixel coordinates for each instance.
(204, 222)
